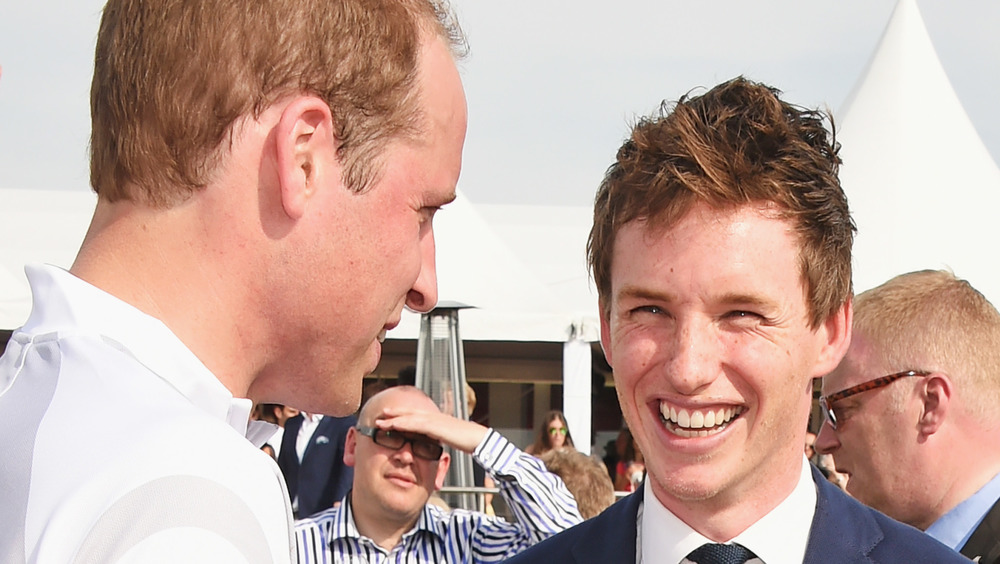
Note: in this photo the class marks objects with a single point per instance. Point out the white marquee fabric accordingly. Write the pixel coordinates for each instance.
(37, 226)
(522, 271)
(923, 189)
(517, 293)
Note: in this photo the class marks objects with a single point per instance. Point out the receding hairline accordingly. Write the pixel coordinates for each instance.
(364, 415)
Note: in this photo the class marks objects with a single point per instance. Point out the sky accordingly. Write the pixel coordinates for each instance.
(552, 85)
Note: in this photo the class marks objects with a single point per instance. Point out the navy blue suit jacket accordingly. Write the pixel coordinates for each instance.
(321, 478)
(843, 531)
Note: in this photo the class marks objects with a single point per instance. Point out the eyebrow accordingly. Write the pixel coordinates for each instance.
(732, 298)
(636, 292)
(748, 299)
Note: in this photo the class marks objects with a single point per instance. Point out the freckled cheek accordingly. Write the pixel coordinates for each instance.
(635, 355)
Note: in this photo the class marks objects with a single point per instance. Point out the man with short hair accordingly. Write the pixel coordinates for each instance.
(913, 410)
(398, 459)
(721, 251)
(266, 174)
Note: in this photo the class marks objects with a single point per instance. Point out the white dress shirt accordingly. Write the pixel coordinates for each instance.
(119, 445)
(780, 537)
(306, 431)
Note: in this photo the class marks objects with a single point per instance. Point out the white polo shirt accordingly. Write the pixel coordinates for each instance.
(118, 445)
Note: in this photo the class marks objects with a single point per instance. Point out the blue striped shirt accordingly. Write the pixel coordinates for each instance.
(541, 504)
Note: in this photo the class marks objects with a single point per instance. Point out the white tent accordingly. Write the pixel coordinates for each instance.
(44, 226)
(923, 189)
(522, 272)
(517, 288)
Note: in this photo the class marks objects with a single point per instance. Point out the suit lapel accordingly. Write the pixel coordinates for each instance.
(839, 527)
(985, 540)
(319, 431)
(614, 534)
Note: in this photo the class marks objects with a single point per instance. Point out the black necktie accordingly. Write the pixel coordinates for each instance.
(721, 554)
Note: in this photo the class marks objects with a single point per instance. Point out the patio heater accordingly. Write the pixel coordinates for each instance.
(441, 375)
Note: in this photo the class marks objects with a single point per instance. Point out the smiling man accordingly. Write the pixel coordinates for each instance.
(267, 174)
(721, 250)
(913, 410)
(399, 461)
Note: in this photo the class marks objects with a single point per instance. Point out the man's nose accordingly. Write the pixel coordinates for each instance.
(405, 453)
(695, 362)
(827, 440)
(423, 296)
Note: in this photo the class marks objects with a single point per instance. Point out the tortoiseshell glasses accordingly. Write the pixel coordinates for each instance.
(826, 402)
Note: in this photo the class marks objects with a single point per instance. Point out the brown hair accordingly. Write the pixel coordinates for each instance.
(738, 144)
(587, 479)
(543, 442)
(931, 320)
(173, 78)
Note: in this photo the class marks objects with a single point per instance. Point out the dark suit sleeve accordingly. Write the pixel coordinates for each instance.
(343, 478)
(288, 460)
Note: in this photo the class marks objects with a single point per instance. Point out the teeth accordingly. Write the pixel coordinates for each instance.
(710, 419)
(697, 420)
(683, 418)
(694, 423)
(381, 336)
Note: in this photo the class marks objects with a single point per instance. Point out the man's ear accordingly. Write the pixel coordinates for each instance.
(836, 335)
(306, 151)
(935, 393)
(605, 313)
(350, 445)
(443, 465)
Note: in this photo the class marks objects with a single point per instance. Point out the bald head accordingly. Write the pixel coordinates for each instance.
(410, 397)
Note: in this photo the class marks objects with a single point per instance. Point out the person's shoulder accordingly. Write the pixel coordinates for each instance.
(607, 537)
(906, 544)
(322, 521)
(844, 526)
(336, 425)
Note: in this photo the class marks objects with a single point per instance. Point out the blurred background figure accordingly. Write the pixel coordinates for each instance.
(912, 412)
(277, 414)
(479, 475)
(585, 477)
(552, 434)
(631, 469)
(810, 446)
(828, 468)
(311, 459)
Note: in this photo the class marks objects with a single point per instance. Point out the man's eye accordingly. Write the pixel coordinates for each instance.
(743, 314)
(655, 310)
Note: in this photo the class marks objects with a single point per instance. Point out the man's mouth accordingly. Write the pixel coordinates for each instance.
(690, 423)
(400, 477)
(381, 335)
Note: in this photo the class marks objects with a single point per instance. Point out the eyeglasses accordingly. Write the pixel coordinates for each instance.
(422, 447)
(557, 431)
(826, 402)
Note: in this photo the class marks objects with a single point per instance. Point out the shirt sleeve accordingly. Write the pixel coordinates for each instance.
(541, 503)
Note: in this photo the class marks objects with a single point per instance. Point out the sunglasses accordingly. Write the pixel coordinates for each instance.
(826, 402)
(422, 447)
(558, 431)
